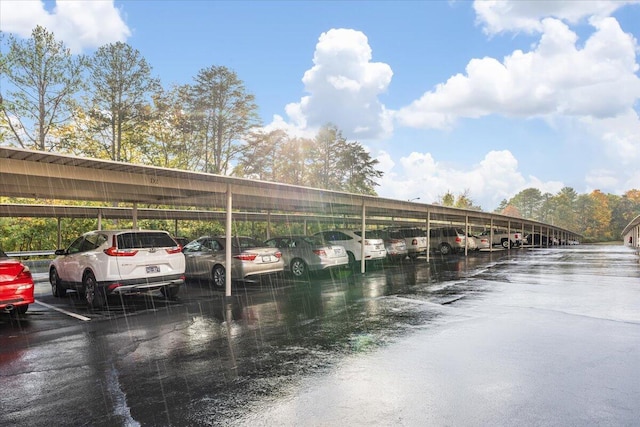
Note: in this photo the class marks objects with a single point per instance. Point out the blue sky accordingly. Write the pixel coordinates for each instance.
(487, 97)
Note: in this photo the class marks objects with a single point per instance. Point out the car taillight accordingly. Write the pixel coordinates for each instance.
(458, 239)
(278, 255)
(174, 250)
(246, 257)
(320, 252)
(24, 274)
(414, 242)
(113, 251)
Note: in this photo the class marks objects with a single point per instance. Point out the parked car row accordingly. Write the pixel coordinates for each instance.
(102, 263)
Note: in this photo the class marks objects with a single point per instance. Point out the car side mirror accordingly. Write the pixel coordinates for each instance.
(60, 252)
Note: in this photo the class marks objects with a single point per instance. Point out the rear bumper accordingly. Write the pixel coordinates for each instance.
(15, 295)
(143, 284)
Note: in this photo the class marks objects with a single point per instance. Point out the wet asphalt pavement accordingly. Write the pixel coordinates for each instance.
(526, 337)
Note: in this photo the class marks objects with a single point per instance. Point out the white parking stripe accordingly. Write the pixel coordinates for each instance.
(68, 313)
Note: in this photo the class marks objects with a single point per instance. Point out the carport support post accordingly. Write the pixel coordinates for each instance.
(59, 233)
(466, 235)
(428, 234)
(135, 216)
(362, 262)
(100, 220)
(491, 236)
(268, 225)
(509, 234)
(227, 276)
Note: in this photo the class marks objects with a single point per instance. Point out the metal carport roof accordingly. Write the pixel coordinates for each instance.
(43, 175)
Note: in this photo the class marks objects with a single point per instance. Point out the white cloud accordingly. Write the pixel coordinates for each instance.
(498, 16)
(79, 24)
(494, 178)
(556, 78)
(344, 86)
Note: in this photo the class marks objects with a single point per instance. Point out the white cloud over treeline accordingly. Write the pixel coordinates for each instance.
(81, 25)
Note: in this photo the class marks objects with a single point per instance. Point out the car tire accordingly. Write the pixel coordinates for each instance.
(352, 260)
(93, 294)
(218, 277)
(505, 243)
(169, 292)
(299, 268)
(445, 249)
(57, 289)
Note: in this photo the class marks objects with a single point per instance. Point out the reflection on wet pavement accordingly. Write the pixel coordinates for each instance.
(206, 359)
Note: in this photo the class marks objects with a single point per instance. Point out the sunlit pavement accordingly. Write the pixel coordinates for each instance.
(525, 337)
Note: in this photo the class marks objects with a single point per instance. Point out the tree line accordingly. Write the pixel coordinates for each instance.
(110, 106)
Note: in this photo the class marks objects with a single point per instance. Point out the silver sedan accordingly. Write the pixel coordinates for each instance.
(205, 259)
(303, 254)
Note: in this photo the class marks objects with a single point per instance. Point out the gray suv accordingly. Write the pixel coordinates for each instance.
(447, 239)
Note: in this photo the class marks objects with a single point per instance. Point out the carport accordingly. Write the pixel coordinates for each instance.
(41, 175)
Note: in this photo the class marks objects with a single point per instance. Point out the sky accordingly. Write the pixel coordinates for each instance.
(486, 98)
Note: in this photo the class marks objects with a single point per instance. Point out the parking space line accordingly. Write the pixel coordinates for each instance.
(68, 313)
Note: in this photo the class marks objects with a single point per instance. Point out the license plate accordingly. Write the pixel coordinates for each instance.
(267, 258)
(153, 269)
(378, 247)
(337, 251)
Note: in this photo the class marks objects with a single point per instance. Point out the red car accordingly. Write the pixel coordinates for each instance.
(16, 285)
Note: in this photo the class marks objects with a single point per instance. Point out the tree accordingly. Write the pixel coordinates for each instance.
(291, 161)
(258, 156)
(224, 113)
(42, 78)
(121, 86)
(602, 215)
(447, 199)
(171, 131)
(528, 202)
(359, 170)
(325, 158)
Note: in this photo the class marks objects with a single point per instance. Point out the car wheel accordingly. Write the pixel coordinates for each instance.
(57, 289)
(218, 276)
(169, 292)
(298, 268)
(352, 260)
(92, 292)
(445, 249)
(505, 243)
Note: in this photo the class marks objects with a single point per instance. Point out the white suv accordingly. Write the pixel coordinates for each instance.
(373, 248)
(100, 263)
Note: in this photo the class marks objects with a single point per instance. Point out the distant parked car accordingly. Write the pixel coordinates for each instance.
(415, 238)
(351, 240)
(206, 259)
(16, 285)
(394, 243)
(482, 242)
(302, 254)
(100, 263)
(472, 244)
(447, 239)
(504, 239)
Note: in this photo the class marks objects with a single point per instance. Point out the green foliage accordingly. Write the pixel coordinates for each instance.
(40, 78)
(596, 216)
(223, 113)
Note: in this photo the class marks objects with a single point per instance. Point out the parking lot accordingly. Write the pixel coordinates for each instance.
(545, 336)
